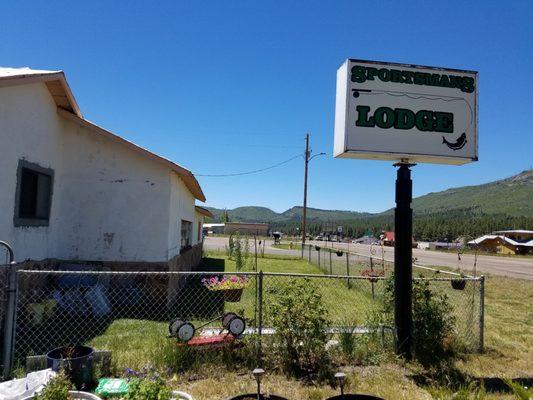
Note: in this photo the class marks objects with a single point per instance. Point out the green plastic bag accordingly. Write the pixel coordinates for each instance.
(112, 387)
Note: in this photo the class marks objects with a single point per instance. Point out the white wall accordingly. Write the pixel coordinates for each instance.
(109, 203)
(29, 129)
(119, 199)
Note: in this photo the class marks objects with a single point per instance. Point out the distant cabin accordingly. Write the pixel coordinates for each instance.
(505, 242)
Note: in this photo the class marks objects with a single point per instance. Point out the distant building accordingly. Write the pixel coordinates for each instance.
(387, 239)
(213, 229)
(236, 227)
(443, 246)
(246, 228)
(506, 242)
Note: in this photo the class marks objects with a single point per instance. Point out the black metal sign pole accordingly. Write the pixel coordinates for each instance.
(403, 262)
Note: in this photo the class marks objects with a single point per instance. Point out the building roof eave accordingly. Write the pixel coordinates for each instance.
(204, 211)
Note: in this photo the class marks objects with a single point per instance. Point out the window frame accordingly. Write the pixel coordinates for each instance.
(190, 233)
(19, 221)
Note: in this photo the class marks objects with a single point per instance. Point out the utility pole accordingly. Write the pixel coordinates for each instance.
(304, 212)
(307, 157)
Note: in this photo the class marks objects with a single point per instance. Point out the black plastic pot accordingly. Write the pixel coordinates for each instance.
(253, 396)
(458, 284)
(340, 253)
(355, 397)
(75, 361)
(317, 248)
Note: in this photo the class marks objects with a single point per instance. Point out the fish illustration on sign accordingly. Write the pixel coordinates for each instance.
(459, 143)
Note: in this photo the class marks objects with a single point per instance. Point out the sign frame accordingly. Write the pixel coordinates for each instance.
(343, 129)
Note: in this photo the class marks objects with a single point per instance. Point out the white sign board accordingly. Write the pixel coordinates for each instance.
(400, 112)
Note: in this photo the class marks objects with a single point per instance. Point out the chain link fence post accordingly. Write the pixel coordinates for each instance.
(260, 319)
(348, 269)
(10, 319)
(330, 263)
(482, 314)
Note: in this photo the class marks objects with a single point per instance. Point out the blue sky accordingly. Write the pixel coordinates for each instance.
(231, 86)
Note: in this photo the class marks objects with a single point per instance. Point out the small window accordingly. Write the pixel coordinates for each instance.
(186, 234)
(34, 195)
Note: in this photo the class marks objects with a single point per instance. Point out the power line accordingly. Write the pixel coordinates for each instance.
(252, 172)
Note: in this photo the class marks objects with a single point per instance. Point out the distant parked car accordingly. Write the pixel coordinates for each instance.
(319, 237)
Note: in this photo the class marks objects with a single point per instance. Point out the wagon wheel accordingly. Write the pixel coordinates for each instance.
(183, 330)
(235, 325)
(226, 318)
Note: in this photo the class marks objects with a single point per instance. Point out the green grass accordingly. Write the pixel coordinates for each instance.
(508, 331)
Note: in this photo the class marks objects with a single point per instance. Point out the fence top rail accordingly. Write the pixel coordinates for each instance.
(244, 273)
(354, 253)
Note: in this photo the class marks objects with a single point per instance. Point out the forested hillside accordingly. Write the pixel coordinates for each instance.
(466, 211)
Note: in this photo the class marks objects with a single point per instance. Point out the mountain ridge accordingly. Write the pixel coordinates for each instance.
(510, 196)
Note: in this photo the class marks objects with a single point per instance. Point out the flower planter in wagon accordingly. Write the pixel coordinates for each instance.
(230, 287)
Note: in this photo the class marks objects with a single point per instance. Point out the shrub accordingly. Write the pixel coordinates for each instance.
(56, 389)
(433, 321)
(300, 319)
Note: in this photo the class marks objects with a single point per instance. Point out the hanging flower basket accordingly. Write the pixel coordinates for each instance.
(230, 287)
(458, 284)
(232, 295)
(340, 253)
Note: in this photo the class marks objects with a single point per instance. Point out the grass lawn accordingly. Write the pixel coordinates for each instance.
(508, 342)
(508, 330)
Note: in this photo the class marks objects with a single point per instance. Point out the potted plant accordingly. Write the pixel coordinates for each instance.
(340, 253)
(231, 287)
(59, 388)
(148, 388)
(76, 362)
(317, 248)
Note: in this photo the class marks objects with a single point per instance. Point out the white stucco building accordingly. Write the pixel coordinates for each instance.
(70, 190)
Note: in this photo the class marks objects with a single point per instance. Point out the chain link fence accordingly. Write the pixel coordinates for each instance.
(465, 293)
(128, 313)
(334, 261)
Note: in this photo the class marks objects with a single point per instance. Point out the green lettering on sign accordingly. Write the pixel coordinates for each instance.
(402, 118)
(362, 117)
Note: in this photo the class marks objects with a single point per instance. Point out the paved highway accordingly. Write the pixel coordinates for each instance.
(506, 266)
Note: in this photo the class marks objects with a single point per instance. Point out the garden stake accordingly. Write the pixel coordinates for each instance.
(341, 377)
(258, 374)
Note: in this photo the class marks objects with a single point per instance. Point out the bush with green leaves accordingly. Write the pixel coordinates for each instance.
(56, 389)
(148, 388)
(433, 321)
(300, 318)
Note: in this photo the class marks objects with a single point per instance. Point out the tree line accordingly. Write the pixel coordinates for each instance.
(441, 226)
